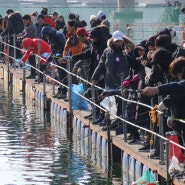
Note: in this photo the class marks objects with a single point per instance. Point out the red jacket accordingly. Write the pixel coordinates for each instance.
(32, 46)
(48, 20)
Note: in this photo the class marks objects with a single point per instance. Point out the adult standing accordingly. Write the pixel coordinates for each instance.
(29, 31)
(14, 25)
(176, 90)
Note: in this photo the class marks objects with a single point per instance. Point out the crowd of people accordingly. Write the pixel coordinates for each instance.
(109, 60)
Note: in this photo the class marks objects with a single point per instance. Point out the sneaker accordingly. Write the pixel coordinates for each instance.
(88, 116)
(180, 175)
(130, 137)
(134, 141)
(100, 119)
(154, 156)
(145, 148)
(62, 96)
(103, 123)
(57, 94)
(30, 77)
(41, 80)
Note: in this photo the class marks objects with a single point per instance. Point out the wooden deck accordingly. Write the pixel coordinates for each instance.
(117, 140)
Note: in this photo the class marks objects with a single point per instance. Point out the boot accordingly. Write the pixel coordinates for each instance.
(90, 115)
(99, 119)
(32, 75)
(103, 123)
(58, 93)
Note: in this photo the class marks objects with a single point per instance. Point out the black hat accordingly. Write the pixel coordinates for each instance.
(97, 32)
(44, 11)
(163, 58)
(141, 45)
(165, 31)
(72, 16)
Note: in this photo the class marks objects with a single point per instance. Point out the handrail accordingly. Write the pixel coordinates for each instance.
(91, 102)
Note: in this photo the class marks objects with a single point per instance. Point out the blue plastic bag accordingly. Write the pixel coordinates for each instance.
(77, 102)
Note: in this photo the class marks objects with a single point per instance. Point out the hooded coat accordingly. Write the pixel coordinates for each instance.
(57, 39)
(94, 52)
(113, 64)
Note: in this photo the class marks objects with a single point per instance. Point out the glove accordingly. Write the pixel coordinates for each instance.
(45, 55)
(26, 67)
(18, 60)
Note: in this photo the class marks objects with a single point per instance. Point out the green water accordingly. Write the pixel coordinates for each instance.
(143, 21)
(33, 151)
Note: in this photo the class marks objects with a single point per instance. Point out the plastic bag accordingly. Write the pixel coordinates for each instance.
(147, 179)
(174, 150)
(77, 102)
(174, 167)
(109, 103)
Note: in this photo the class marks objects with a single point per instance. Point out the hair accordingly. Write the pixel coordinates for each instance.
(163, 41)
(44, 11)
(26, 17)
(71, 16)
(40, 16)
(177, 66)
(9, 11)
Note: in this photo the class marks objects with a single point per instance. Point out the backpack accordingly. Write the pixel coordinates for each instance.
(180, 51)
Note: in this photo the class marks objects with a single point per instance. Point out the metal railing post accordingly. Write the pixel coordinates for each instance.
(161, 132)
(44, 90)
(39, 61)
(69, 78)
(8, 52)
(93, 100)
(53, 82)
(108, 122)
(14, 49)
(123, 104)
(168, 179)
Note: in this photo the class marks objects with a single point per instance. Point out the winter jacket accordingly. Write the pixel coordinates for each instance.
(14, 24)
(57, 41)
(176, 90)
(34, 44)
(93, 53)
(73, 46)
(30, 31)
(113, 64)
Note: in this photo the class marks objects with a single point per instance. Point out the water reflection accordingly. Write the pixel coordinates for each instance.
(36, 149)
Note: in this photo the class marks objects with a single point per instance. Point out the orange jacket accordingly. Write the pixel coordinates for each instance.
(73, 46)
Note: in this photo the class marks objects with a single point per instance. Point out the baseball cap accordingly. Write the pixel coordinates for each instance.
(117, 35)
(81, 32)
